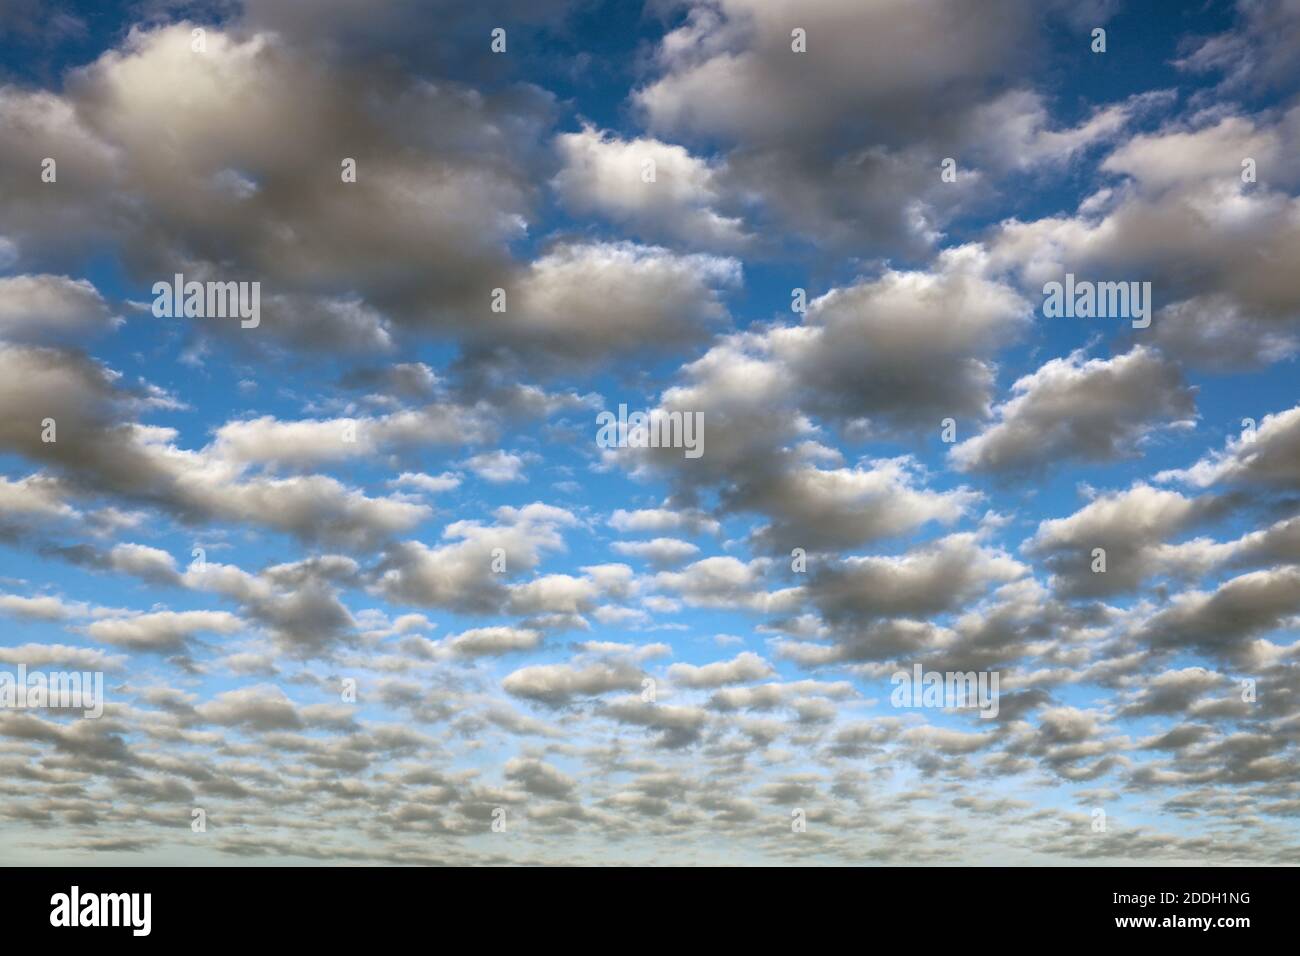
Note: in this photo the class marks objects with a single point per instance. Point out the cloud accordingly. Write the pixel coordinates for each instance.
(1174, 692)
(832, 509)
(492, 641)
(98, 444)
(726, 582)
(661, 552)
(1185, 219)
(35, 497)
(656, 187)
(842, 144)
(660, 519)
(459, 575)
(1131, 527)
(498, 467)
(42, 607)
(773, 696)
(161, 630)
(1014, 129)
(924, 582)
(261, 709)
(1260, 50)
(744, 667)
(1266, 457)
(150, 564)
(233, 205)
(61, 655)
(678, 726)
(432, 484)
(558, 684)
(297, 602)
(906, 349)
(540, 779)
(1229, 622)
(42, 309)
(1077, 408)
(307, 443)
(582, 301)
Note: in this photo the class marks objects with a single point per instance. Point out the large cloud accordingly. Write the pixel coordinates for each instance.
(655, 187)
(471, 571)
(1089, 409)
(1268, 456)
(843, 143)
(1131, 527)
(1184, 220)
(202, 163)
(47, 308)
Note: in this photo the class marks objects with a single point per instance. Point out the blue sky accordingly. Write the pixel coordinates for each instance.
(329, 559)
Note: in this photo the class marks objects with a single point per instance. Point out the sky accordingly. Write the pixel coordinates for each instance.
(365, 583)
